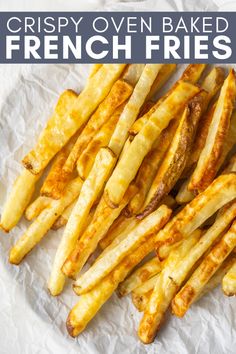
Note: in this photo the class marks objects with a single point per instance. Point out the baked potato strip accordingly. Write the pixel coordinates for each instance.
(101, 139)
(139, 276)
(91, 302)
(204, 272)
(94, 69)
(89, 192)
(55, 182)
(18, 199)
(43, 222)
(184, 195)
(86, 245)
(207, 164)
(133, 222)
(219, 193)
(119, 225)
(133, 106)
(141, 301)
(61, 127)
(162, 77)
(164, 291)
(149, 167)
(36, 207)
(62, 220)
(229, 281)
(128, 166)
(111, 259)
(119, 93)
(191, 74)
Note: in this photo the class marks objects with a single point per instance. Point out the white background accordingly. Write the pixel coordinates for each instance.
(16, 317)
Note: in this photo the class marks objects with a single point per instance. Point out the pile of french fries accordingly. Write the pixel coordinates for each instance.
(137, 179)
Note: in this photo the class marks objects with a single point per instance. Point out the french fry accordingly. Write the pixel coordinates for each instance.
(149, 167)
(211, 84)
(219, 193)
(184, 195)
(164, 291)
(36, 207)
(56, 133)
(200, 139)
(101, 139)
(74, 227)
(128, 166)
(218, 130)
(164, 251)
(121, 224)
(94, 70)
(217, 278)
(86, 245)
(191, 74)
(132, 73)
(111, 259)
(18, 199)
(62, 220)
(139, 276)
(56, 180)
(133, 106)
(43, 222)
(148, 285)
(119, 93)
(141, 301)
(162, 77)
(91, 302)
(204, 272)
(229, 281)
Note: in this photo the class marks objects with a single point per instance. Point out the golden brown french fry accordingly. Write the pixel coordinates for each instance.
(141, 301)
(219, 193)
(94, 69)
(90, 190)
(128, 166)
(132, 73)
(139, 276)
(207, 164)
(119, 93)
(91, 302)
(164, 291)
(111, 259)
(217, 278)
(204, 272)
(133, 106)
(101, 139)
(149, 167)
(148, 285)
(18, 199)
(43, 222)
(36, 207)
(229, 281)
(56, 133)
(177, 155)
(184, 195)
(86, 245)
(213, 81)
(191, 74)
(56, 180)
(162, 77)
(62, 220)
(121, 224)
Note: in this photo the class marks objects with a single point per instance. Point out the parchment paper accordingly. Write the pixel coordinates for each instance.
(208, 327)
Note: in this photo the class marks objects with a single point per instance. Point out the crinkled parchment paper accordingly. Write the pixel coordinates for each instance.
(208, 327)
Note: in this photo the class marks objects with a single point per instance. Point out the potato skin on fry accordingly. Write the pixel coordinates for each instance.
(211, 154)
